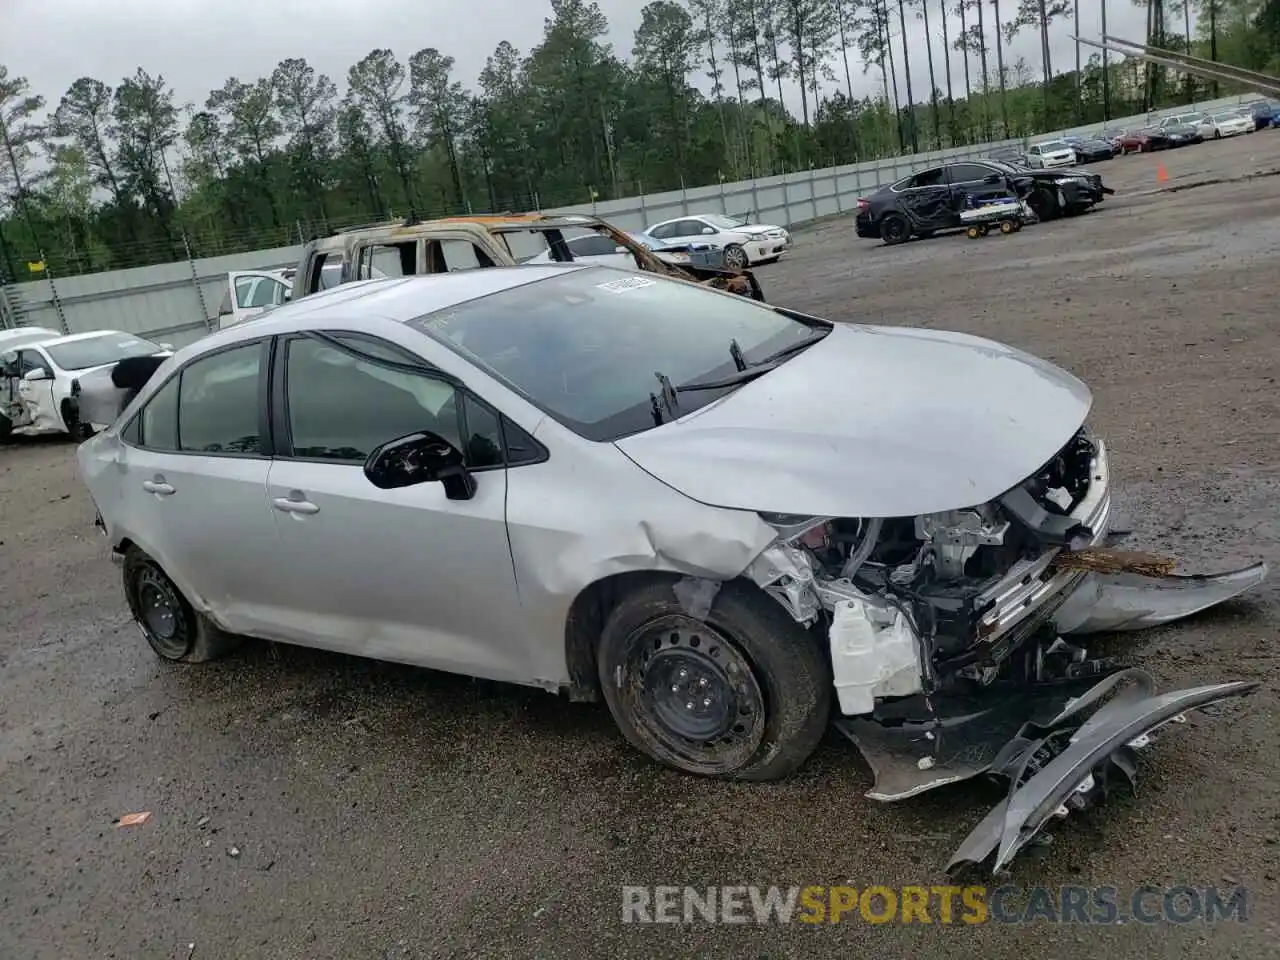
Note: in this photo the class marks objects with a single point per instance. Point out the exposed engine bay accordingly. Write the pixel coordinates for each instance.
(946, 634)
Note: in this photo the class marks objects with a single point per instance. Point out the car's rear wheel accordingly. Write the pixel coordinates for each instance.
(742, 692)
(895, 229)
(168, 623)
(735, 257)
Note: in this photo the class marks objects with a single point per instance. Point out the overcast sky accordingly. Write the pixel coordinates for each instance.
(196, 44)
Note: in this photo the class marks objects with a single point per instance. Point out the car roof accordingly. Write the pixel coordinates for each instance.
(394, 299)
(87, 335)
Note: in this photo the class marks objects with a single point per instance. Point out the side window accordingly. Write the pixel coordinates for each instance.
(9, 365)
(341, 407)
(521, 448)
(484, 434)
(267, 293)
(158, 421)
(928, 178)
(1035, 150)
(29, 360)
(244, 289)
(969, 172)
(387, 260)
(592, 245)
(225, 308)
(218, 402)
(692, 228)
(463, 255)
(663, 231)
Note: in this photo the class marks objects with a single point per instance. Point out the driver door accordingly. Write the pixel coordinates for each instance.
(406, 574)
(37, 395)
(974, 180)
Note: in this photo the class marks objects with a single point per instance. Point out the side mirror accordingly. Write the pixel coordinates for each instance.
(992, 178)
(420, 458)
(39, 373)
(165, 346)
(621, 249)
(709, 231)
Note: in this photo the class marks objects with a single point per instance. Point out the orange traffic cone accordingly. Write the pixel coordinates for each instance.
(1162, 175)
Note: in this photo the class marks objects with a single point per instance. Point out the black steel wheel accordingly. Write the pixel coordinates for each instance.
(743, 693)
(162, 613)
(735, 257)
(167, 621)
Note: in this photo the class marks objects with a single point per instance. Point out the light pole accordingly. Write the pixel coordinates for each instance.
(1106, 76)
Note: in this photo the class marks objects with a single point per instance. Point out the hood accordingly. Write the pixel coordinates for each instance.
(872, 422)
(755, 229)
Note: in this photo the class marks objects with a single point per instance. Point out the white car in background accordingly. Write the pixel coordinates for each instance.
(40, 380)
(743, 243)
(1050, 154)
(1227, 124)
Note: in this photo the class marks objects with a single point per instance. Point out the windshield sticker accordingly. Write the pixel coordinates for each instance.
(625, 284)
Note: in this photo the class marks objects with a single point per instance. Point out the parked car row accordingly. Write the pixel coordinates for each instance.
(935, 199)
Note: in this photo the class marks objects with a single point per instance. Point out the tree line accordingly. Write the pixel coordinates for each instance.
(110, 177)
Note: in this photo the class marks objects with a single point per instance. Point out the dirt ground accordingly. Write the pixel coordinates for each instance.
(377, 811)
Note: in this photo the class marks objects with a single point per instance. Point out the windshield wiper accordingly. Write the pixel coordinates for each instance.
(773, 358)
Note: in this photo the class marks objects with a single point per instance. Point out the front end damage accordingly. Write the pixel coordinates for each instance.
(954, 645)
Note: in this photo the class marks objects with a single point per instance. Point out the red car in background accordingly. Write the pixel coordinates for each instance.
(1138, 141)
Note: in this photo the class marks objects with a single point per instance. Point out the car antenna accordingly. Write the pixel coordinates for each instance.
(670, 399)
(735, 351)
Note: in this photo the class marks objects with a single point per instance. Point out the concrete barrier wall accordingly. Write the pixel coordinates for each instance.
(175, 302)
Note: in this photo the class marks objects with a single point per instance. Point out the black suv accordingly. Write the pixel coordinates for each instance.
(931, 200)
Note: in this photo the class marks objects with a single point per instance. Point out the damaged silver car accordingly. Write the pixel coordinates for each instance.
(626, 486)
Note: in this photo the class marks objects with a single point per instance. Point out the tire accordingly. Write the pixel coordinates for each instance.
(894, 229)
(1007, 227)
(764, 681)
(168, 623)
(972, 233)
(6, 428)
(1044, 205)
(735, 257)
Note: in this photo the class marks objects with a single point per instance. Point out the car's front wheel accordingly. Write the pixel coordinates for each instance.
(742, 691)
(735, 257)
(895, 229)
(171, 627)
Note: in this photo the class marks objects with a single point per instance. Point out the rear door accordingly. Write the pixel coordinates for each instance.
(193, 480)
(37, 396)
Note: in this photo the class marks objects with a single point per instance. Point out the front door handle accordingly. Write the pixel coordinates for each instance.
(294, 506)
(159, 487)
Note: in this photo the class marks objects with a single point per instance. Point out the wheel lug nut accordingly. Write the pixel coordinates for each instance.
(706, 702)
(683, 674)
(689, 705)
(675, 688)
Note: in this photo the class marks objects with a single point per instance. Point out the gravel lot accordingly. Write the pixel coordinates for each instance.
(380, 811)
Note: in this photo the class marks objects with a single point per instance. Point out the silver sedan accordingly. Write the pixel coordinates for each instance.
(732, 521)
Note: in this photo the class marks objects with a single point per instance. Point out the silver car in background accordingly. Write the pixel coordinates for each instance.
(729, 520)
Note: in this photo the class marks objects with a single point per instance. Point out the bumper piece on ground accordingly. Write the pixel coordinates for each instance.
(1131, 601)
(1067, 765)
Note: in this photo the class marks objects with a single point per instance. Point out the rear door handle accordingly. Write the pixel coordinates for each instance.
(159, 487)
(295, 506)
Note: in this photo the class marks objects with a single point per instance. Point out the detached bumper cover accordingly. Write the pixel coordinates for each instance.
(1104, 744)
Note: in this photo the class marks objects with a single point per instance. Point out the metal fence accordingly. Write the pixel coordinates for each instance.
(176, 302)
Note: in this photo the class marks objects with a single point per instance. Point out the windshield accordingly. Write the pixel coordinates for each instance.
(723, 222)
(1004, 165)
(1219, 117)
(1053, 145)
(102, 349)
(585, 346)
